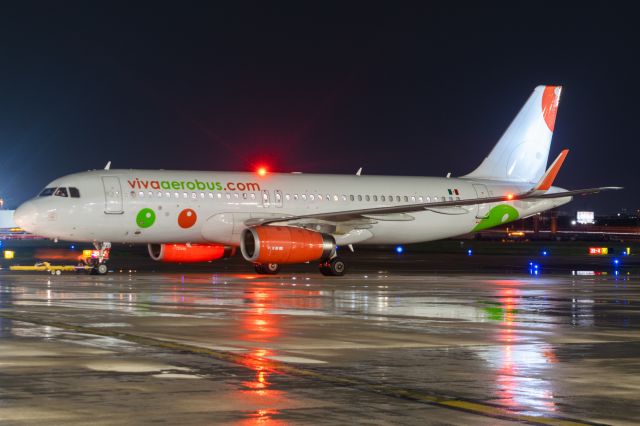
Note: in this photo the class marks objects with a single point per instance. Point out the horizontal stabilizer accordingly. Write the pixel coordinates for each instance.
(547, 179)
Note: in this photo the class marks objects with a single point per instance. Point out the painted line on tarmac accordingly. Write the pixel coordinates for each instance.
(253, 362)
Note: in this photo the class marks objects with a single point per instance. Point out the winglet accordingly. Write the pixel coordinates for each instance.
(550, 175)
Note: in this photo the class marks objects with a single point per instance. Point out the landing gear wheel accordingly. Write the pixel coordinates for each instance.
(102, 269)
(267, 268)
(334, 267)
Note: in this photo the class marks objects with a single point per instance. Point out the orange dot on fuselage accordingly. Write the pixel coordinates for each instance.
(187, 218)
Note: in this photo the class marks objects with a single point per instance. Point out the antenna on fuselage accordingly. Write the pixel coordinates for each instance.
(108, 166)
(359, 172)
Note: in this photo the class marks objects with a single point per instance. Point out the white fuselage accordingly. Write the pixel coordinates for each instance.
(158, 206)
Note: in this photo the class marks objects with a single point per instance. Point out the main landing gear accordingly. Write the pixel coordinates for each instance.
(99, 264)
(333, 267)
(267, 268)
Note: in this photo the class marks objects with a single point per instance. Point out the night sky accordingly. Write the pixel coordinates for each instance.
(397, 88)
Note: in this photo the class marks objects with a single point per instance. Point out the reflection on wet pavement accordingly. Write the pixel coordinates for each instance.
(544, 346)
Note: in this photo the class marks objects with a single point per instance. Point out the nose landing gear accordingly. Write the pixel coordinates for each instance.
(99, 263)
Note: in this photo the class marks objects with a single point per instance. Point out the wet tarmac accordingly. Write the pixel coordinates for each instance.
(383, 348)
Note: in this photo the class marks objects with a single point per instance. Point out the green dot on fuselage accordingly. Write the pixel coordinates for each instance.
(145, 218)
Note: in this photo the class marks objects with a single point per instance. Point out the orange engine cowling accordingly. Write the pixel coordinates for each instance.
(285, 244)
(189, 253)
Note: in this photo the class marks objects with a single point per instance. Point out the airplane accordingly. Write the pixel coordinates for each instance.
(288, 218)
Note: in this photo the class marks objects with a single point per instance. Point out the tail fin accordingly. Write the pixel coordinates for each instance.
(521, 153)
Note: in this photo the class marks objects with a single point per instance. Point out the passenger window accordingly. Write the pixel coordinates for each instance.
(435, 199)
(219, 196)
(413, 198)
(159, 194)
(344, 197)
(428, 199)
(47, 192)
(167, 194)
(335, 198)
(74, 192)
(397, 198)
(375, 198)
(141, 194)
(420, 198)
(390, 198)
(278, 196)
(211, 195)
(312, 197)
(304, 197)
(382, 198)
(133, 194)
(287, 197)
(150, 194)
(253, 196)
(295, 197)
(450, 198)
(359, 197)
(228, 196)
(367, 198)
(406, 199)
(244, 195)
(351, 197)
(237, 196)
(61, 192)
(202, 195)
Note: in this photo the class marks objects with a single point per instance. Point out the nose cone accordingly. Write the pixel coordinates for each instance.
(25, 216)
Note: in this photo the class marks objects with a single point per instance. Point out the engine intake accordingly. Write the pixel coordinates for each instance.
(189, 253)
(285, 244)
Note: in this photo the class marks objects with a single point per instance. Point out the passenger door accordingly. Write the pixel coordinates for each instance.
(112, 195)
(482, 192)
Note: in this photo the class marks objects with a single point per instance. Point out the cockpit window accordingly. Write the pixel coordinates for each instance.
(47, 192)
(61, 192)
(74, 192)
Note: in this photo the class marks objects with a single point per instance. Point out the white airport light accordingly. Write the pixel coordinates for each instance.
(585, 218)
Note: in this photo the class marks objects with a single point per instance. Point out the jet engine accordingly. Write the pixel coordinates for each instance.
(189, 253)
(285, 244)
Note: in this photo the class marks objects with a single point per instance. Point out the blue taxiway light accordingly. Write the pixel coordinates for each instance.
(73, 247)
(544, 253)
(469, 252)
(616, 262)
(399, 249)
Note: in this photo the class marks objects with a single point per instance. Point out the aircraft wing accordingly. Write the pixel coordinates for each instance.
(346, 215)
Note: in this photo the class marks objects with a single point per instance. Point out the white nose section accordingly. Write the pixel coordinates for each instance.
(25, 216)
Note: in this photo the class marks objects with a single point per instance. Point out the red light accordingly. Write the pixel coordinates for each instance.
(509, 196)
(262, 171)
